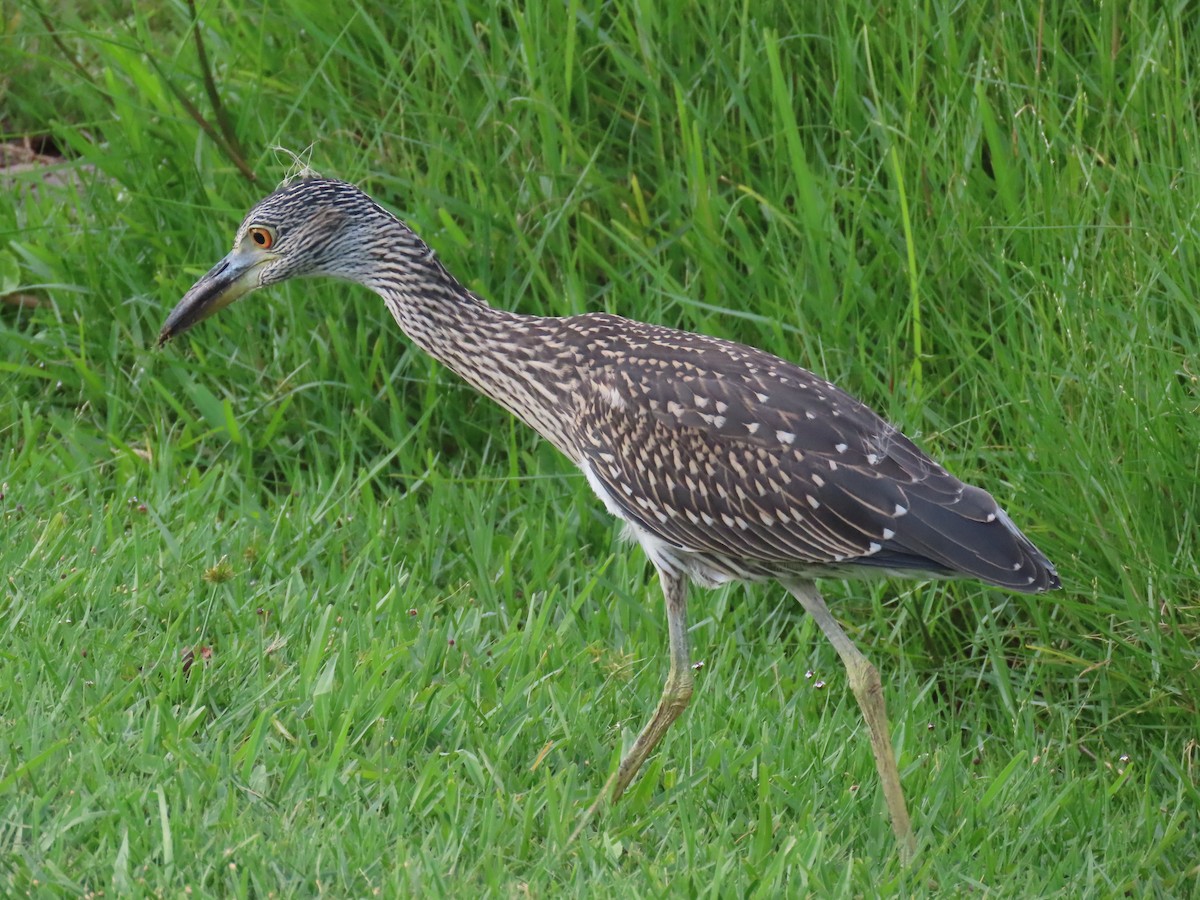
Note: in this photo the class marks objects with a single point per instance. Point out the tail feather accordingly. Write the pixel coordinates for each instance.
(973, 537)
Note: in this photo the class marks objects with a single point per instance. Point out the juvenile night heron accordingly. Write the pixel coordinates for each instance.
(726, 463)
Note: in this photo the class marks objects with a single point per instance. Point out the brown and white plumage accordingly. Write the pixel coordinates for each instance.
(726, 462)
(750, 467)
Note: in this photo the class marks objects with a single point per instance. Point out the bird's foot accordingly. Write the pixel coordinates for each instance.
(597, 805)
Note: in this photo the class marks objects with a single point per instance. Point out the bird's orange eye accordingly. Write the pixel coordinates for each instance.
(262, 237)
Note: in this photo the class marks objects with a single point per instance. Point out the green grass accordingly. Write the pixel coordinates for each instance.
(424, 642)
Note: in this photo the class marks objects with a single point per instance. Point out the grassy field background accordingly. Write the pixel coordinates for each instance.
(288, 610)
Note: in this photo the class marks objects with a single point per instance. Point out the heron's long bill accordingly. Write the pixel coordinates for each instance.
(228, 280)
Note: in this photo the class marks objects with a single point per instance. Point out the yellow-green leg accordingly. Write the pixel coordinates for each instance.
(675, 696)
(868, 690)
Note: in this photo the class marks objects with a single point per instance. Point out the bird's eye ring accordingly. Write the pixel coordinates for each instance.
(262, 237)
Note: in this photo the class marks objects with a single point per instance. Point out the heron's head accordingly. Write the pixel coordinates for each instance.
(308, 227)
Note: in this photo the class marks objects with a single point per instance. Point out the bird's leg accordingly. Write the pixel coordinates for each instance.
(868, 690)
(675, 696)
(676, 692)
